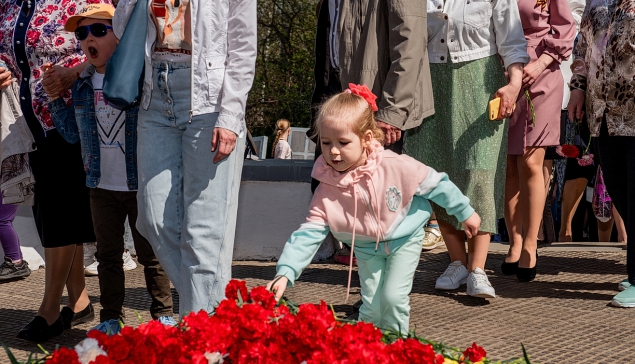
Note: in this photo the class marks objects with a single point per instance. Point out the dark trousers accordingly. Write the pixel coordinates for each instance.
(617, 158)
(109, 210)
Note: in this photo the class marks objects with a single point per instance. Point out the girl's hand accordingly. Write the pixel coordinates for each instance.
(471, 225)
(532, 71)
(576, 104)
(5, 77)
(277, 286)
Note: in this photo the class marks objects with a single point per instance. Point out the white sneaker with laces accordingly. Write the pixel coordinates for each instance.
(454, 276)
(478, 285)
(90, 263)
(128, 263)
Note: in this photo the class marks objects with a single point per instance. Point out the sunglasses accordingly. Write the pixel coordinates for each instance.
(98, 30)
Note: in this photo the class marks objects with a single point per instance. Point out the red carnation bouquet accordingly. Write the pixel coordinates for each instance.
(570, 150)
(249, 326)
(365, 92)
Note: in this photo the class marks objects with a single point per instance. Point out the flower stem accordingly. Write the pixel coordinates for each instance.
(531, 106)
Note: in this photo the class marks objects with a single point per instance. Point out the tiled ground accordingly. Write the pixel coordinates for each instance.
(562, 317)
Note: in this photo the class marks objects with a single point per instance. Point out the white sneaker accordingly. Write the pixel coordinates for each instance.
(454, 276)
(478, 285)
(128, 263)
(90, 263)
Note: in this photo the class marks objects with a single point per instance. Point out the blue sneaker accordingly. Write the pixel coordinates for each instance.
(110, 327)
(624, 285)
(626, 298)
(167, 320)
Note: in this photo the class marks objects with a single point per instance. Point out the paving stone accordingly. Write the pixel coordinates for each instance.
(562, 317)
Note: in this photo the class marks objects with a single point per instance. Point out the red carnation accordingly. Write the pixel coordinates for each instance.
(365, 92)
(568, 151)
(474, 353)
(231, 291)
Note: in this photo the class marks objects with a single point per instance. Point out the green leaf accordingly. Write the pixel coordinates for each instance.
(531, 106)
(10, 355)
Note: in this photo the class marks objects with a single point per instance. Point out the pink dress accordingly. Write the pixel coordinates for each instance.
(550, 31)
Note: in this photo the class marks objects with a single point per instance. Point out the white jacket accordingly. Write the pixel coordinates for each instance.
(577, 8)
(474, 29)
(223, 56)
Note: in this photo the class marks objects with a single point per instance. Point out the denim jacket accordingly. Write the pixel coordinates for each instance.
(80, 125)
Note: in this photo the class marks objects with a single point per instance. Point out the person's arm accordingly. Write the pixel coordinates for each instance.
(577, 9)
(438, 188)
(578, 84)
(58, 79)
(407, 24)
(509, 93)
(239, 75)
(64, 120)
(510, 38)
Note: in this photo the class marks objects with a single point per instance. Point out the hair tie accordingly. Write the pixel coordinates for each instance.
(364, 92)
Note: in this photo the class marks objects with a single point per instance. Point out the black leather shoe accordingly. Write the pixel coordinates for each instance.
(38, 330)
(71, 318)
(526, 274)
(509, 269)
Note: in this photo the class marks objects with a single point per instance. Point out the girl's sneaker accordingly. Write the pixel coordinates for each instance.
(478, 285)
(432, 239)
(454, 276)
(10, 270)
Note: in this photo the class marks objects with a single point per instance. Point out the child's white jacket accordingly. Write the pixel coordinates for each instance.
(385, 200)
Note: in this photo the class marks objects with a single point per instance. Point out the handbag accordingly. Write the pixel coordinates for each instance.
(601, 201)
(127, 63)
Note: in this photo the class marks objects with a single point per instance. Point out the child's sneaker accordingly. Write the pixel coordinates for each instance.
(109, 327)
(624, 285)
(167, 320)
(128, 263)
(90, 263)
(432, 239)
(454, 276)
(478, 285)
(10, 270)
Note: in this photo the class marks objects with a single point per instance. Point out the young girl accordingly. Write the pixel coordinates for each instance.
(376, 201)
(281, 148)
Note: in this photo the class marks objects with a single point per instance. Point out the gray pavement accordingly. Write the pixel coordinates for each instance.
(562, 317)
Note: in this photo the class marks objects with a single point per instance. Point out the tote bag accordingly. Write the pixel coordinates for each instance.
(601, 202)
(123, 81)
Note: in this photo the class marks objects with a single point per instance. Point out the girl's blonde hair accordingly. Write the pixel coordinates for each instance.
(282, 125)
(353, 108)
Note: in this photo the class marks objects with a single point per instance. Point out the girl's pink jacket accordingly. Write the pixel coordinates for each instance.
(384, 201)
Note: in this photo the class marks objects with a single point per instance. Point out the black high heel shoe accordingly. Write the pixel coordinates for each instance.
(71, 318)
(509, 269)
(38, 330)
(527, 274)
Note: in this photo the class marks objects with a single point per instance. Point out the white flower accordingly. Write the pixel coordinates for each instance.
(214, 358)
(88, 350)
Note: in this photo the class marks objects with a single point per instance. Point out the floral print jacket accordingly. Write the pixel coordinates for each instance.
(46, 41)
(603, 65)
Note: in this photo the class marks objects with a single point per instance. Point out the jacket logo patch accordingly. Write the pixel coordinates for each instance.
(393, 198)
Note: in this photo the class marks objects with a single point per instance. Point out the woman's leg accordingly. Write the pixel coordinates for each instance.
(571, 195)
(513, 216)
(532, 202)
(605, 229)
(75, 283)
(454, 241)
(56, 273)
(477, 249)
(621, 228)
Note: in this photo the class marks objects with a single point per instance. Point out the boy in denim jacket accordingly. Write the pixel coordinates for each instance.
(108, 139)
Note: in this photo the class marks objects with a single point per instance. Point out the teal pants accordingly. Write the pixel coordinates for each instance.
(386, 281)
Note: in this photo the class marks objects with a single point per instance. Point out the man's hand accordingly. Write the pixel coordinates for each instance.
(277, 286)
(576, 105)
(57, 79)
(393, 134)
(5, 77)
(471, 225)
(224, 142)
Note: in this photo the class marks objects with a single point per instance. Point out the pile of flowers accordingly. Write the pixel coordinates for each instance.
(251, 327)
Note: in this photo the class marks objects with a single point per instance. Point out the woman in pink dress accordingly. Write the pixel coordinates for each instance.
(549, 30)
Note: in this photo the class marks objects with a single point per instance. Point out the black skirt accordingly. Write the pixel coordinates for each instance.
(61, 205)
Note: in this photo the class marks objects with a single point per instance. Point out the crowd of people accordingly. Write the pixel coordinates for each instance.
(407, 155)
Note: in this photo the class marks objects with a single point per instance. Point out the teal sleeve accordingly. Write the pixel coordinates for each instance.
(448, 196)
(299, 250)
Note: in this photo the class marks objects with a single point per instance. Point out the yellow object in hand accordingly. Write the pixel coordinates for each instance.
(493, 108)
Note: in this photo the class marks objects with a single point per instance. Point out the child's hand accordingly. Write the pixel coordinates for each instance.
(279, 284)
(471, 225)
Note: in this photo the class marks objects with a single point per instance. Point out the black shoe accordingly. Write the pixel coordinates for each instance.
(526, 274)
(509, 269)
(38, 330)
(71, 318)
(10, 270)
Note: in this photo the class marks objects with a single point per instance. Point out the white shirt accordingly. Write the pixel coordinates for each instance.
(577, 8)
(283, 150)
(111, 125)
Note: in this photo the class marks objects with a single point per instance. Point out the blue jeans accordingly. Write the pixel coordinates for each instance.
(187, 204)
